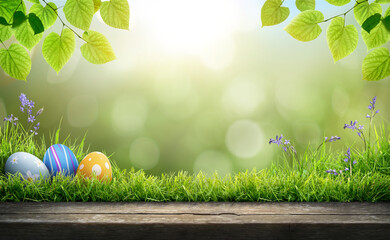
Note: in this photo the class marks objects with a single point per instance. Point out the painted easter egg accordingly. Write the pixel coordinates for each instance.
(59, 158)
(95, 164)
(31, 167)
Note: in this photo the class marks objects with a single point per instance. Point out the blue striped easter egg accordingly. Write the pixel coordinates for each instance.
(59, 158)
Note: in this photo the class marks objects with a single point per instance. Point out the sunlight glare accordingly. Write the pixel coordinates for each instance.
(186, 26)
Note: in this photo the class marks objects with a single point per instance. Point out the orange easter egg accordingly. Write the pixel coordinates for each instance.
(95, 164)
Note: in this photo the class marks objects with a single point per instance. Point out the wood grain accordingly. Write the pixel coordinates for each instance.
(195, 220)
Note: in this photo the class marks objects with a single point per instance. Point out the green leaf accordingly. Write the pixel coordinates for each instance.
(377, 36)
(382, 1)
(304, 27)
(96, 5)
(3, 21)
(15, 61)
(364, 10)
(47, 14)
(273, 13)
(18, 19)
(304, 5)
(8, 8)
(26, 35)
(5, 33)
(35, 23)
(116, 13)
(371, 22)
(338, 2)
(34, 1)
(57, 50)
(342, 40)
(97, 50)
(79, 13)
(386, 23)
(376, 65)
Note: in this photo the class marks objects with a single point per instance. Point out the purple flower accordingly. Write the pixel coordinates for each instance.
(354, 162)
(9, 118)
(351, 126)
(31, 104)
(31, 119)
(276, 140)
(346, 169)
(372, 106)
(332, 139)
(348, 155)
(23, 99)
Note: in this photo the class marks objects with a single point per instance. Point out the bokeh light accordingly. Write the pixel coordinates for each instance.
(82, 111)
(200, 85)
(144, 153)
(129, 114)
(210, 161)
(245, 139)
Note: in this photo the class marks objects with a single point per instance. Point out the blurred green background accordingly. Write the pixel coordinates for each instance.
(199, 85)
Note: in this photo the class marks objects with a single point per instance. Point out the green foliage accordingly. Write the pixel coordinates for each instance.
(25, 34)
(371, 22)
(97, 49)
(377, 64)
(273, 13)
(304, 27)
(35, 23)
(57, 49)
(304, 5)
(28, 28)
(46, 14)
(364, 10)
(377, 36)
(280, 182)
(15, 61)
(5, 33)
(338, 2)
(18, 18)
(342, 38)
(96, 5)
(116, 13)
(79, 13)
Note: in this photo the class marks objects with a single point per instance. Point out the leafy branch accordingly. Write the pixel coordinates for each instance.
(57, 49)
(63, 23)
(342, 39)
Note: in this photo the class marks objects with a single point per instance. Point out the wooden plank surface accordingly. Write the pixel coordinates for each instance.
(195, 220)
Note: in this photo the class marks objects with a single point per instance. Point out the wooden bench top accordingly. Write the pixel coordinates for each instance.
(179, 220)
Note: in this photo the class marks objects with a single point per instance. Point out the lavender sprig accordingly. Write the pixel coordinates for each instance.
(358, 129)
(11, 119)
(286, 145)
(346, 160)
(371, 116)
(326, 140)
(26, 106)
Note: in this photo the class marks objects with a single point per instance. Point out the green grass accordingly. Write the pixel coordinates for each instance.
(283, 181)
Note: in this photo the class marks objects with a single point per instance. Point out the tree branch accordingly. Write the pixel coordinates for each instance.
(63, 23)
